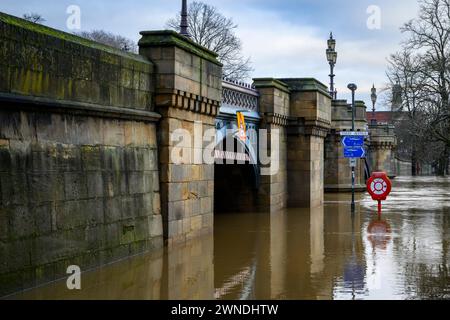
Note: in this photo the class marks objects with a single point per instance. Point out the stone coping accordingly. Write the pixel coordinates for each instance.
(169, 38)
(269, 83)
(306, 84)
(14, 101)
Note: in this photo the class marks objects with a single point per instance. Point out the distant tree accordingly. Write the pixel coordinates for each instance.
(34, 17)
(110, 39)
(422, 69)
(214, 31)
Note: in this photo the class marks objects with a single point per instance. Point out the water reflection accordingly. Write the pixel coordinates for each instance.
(379, 233)
(320, 253)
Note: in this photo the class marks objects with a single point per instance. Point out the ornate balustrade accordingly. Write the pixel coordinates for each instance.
(239, 96)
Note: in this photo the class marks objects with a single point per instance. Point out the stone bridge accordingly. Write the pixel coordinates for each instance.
(87, 173)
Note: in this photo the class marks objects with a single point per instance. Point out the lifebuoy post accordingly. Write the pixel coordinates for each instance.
(379, 187)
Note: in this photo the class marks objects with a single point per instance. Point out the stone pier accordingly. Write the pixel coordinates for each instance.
(338, 176)
(187, 95)
(309, 122)
(274, 110)
(383, 142)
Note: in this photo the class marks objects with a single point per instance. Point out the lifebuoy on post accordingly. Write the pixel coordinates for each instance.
(379, 187)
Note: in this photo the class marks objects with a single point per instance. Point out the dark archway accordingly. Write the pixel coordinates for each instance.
(235, 181)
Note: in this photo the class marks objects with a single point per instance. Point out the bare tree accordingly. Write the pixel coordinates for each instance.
(34, 17)
(110, 39)
(430, 33)
(211, 29)
(405, 79)
(423, 70)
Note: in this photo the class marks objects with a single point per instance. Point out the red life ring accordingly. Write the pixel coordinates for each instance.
(379, 186)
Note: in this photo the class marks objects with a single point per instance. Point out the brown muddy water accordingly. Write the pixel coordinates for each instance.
(320, 253)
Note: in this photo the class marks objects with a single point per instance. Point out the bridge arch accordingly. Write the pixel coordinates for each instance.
(237, 173)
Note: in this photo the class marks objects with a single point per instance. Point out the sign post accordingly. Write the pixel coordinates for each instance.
(353, 143)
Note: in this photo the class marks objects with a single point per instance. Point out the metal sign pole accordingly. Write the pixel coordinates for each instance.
(353, 87)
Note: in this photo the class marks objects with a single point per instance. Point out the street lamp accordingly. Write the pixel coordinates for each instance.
(373, 96)
(332, 57)
(353, 88)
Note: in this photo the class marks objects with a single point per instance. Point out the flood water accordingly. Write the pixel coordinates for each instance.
(320, 253)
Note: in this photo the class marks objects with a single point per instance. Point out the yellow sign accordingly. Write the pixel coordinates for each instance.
(241, 126)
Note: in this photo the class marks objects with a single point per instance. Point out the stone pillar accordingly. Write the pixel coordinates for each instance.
(310, 120)
(383, 141)
(188, 93)
(338, 176)
(274, 110)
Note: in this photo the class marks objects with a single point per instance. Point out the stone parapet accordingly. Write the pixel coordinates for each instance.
(55, 65)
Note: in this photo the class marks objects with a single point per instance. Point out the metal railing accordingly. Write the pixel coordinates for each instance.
(239, 95)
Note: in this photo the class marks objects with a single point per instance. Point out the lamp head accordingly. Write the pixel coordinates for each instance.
(373, 96)
(331, 42)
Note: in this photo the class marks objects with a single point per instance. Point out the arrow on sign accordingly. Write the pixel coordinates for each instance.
(354, 152)
(353, 141)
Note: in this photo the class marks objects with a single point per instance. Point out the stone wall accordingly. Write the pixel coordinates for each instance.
(79, 179)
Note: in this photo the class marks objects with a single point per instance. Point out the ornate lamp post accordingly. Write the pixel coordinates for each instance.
(373, 96)
(332, 57)
(184, 23)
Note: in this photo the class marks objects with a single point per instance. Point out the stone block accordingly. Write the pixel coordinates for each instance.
(156, 203)
(206, 205)
(176, 210)
(91, 158)
(75, 186)
(155, 226)
(4, 223)
(43, 217)
(113, 209)
(136, 183)
(95, 187)
(70, 215)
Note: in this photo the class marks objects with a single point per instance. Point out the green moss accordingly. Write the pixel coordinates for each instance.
(24, 24)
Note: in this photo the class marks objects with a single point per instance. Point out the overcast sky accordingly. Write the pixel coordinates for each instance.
(284, 38)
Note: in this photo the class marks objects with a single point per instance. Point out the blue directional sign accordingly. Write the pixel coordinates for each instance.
(353, 141)
(354, 152)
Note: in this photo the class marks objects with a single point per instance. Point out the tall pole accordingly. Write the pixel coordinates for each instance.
(332, 80)
(353, 88)
(184, 22)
